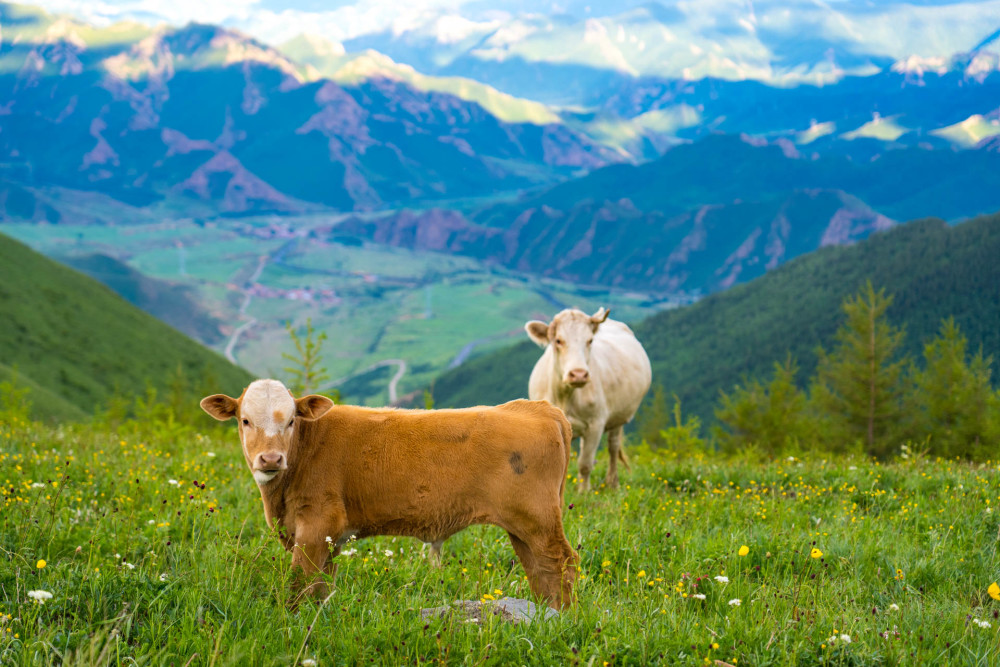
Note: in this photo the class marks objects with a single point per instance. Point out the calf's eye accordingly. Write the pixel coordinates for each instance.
(246, 422)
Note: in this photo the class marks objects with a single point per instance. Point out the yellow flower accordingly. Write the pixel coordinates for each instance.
(994, 591)
(642, 573)
(715, 645)
(40, 564)
(816, 553)
(606, 563)
(744, 550)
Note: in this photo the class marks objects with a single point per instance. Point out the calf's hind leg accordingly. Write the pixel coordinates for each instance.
(549, 562)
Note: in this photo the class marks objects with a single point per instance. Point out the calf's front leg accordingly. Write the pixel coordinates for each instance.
(309, 559)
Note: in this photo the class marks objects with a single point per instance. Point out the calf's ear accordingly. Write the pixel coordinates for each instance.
(220, 406)
(538, 332)
(312, 406)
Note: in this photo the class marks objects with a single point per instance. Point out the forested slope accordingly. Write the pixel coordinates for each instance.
(933, 270)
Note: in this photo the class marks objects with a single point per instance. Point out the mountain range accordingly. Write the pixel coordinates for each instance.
(704, 216)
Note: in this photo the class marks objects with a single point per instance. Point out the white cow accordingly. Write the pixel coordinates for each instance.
(596, 371)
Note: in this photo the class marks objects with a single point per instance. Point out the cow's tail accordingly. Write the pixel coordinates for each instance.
(567, 438)
(623, 458)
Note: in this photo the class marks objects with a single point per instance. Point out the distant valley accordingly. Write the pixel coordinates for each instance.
(419, 194)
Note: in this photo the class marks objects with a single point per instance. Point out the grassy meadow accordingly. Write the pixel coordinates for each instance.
(151, 540)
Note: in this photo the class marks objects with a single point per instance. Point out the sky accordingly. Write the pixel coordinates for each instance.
(275, 21)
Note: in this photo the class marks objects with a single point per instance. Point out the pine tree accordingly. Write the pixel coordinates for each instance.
(306, 370)
(954, 401)
(653, 417)
(771, 417)
(857, 389)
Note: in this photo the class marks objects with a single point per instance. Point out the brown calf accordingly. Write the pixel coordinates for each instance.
(329, 472)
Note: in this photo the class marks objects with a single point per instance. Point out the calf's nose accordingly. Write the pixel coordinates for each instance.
(578, 376)
(270, 461)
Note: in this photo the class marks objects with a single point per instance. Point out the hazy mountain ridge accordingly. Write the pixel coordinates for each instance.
(116, 120)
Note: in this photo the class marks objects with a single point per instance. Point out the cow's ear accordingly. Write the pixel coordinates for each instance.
(220, 406)
(598, 318)
(538, 332)
(312, 407)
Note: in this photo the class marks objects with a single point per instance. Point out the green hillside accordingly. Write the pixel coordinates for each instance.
(933, 270)
(73, 339)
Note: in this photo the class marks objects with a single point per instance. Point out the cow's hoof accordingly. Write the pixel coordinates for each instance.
(611, 482)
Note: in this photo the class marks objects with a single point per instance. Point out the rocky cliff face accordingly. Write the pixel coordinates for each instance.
(614, 243)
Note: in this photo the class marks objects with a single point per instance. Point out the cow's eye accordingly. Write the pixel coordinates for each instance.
(559, 342)
(290, 423)
(590, 342)
(246, 422)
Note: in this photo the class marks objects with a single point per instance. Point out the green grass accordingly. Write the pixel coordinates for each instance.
(157, 572)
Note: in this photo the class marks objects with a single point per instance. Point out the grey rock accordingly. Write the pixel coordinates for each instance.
(513, 610)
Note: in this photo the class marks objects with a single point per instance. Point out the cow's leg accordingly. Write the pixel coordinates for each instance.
(589, 441)
(435, 555)
(615, 437)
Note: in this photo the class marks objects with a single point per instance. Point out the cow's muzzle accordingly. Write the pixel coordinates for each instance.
(578, 377)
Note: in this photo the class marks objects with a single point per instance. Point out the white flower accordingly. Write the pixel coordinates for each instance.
(40, 596)
(844, 638)
(129, 566)
(329, 539)
(151, 522)
(735, 602)
(163, 577)
(791, 458)
(38, 485)
(173, 481)
(211, 455)
(894, 607)
(982, 624)
(698, 596)
(308, 662)
(388, 552)
(852, 467)
(722, 579)
(349, 552)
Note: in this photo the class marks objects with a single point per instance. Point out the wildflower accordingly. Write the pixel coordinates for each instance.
(606, 563)
(388, 553)
(642, 573)
(982, 624)
(308, 662)
(163, 576)
(722, 579)
(744, 550)
(40, 564)
(894, 607)
(735, 602)
(844, 638)
(211, 455)
(329, 539)
(349, 552)
(994, 591)
(173, 482)
(40, 596)
(698, 596)
(715, 645)
(815, 553)
(38, 485)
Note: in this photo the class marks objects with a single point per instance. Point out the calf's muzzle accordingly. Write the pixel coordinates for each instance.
(269, 462)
